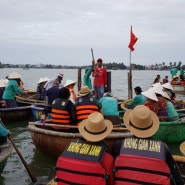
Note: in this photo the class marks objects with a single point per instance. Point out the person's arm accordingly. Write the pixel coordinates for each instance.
(3, 131)
(105, 77)
(17, 89)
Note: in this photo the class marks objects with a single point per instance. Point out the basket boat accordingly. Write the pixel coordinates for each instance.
(15, 114)
(53, 143)
(171, 132)
(5, 151)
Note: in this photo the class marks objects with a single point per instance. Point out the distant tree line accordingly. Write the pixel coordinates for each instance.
(109, 66)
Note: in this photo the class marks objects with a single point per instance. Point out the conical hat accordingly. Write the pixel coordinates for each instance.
(167, 86)
(14, 75)
(150, 94)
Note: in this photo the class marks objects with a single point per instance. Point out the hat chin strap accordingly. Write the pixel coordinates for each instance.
(95, 133)
(141, 128)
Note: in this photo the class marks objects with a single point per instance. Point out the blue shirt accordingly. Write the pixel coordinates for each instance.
(109, 105)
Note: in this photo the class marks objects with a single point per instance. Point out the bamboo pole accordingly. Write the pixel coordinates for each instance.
(79, 79)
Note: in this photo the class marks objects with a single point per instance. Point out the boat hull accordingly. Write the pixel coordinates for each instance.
(15, 114)
(179, 89)
(171, 132)
(5, 151)
(53, 143)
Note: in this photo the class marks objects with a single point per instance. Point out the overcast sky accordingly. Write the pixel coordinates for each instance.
(62, 32)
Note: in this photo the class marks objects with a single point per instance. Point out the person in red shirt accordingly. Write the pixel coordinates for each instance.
(100, 79)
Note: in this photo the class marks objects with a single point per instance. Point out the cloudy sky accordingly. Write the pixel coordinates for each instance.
(62, 32)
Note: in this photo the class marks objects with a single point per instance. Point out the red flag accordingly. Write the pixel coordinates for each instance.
(133, 40)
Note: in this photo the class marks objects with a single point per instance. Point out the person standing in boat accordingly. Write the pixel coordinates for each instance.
(40, 87)
(157, 79)
(85, 104)
(62, 111)
(86, 78)
(49, 83)
(109, 108)
(100, 79)
(53, 92)
(165, 79)
(141, 159)
(12, 89)
(86, 161)
(139, 99)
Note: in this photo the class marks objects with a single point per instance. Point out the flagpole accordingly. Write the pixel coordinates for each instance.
(130, 96)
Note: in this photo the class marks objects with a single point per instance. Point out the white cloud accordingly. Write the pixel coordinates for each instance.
(49, 31)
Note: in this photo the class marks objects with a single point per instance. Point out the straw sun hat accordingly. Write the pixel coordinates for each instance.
(141, 121)
(84, 91)
(14, 75)
(95, 128)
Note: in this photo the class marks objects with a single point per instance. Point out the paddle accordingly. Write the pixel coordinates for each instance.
(33, 178)
(70, 126)
(98, 90)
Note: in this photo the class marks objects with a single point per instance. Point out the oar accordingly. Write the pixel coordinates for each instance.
(33, 178)
(69, 126)
(95, 74)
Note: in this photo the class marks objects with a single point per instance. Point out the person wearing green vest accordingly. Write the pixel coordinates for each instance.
(86, 79)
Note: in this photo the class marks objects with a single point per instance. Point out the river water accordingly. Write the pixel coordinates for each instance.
(40, 164)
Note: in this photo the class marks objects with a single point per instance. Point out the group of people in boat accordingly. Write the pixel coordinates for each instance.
(159, 98)
(70, 108)
(133, 160)
(9, 88)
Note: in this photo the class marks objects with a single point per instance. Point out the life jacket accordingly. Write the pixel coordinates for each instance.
(141, 161)
(85, 106)
(80, 164)
(59, 113)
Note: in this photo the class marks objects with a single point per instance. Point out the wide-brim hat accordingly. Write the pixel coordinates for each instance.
(150, 94)
(95, 128)
(14, 75)
(60, 75)
(84, 91)
(41, 80)
(69, 82)
(167, 86)
(141, 121)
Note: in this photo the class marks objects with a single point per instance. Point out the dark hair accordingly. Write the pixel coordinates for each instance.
(64, 93)
(138, 89)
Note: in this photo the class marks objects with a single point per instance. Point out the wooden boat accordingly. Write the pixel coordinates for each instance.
(15, 114)
(5, 151)
(53, 143)
(29, 98)
(180, 89)
(182, 148)
(171, 132)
